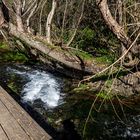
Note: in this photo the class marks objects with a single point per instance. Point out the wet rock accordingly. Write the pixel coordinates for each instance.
(127, 85)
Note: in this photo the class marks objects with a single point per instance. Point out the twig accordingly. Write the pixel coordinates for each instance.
(4, 35)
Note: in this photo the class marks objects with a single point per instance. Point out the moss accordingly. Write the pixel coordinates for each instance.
(13, 56)
(83, 55)
(105, 59)
(12, 86)
(51, 46)
(3, 45)
(105, 95)
(109, 82)
(81, 88)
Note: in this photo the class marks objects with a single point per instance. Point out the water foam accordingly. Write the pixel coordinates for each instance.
(40, 85)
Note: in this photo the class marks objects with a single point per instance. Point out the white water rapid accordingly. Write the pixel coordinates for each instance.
(40, 85)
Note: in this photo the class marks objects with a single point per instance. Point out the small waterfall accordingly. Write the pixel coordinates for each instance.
(40, 85)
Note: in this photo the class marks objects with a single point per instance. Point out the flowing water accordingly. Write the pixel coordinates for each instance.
(44, 91)
(39, 85)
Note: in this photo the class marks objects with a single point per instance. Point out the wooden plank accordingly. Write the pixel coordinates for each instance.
(3, 135)
(10, 125)
(23, 118)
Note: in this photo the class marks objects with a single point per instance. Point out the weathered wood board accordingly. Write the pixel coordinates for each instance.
(16, 123)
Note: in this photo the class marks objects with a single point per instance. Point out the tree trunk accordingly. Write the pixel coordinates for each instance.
(49, 21)
(117, 29)
(29, 17)
(1, 17)
(18, 16)
(112, 23)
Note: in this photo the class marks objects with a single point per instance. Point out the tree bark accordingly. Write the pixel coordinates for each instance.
(29, 17)
(49, 21)
(1, 17)
(112, 23)
(18, 7)
(118, 30)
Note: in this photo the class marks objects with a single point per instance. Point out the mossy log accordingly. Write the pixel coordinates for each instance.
(66, 59)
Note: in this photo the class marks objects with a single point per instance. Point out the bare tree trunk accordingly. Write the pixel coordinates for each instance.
(29, 17)
(63, 22)
(112, 23)
(120, 21)
(40, 17)
(18, 6)
(116, 28)
(49, 21)
(1, 17)
(120, 11)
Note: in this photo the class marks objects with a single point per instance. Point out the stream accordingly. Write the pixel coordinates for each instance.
(46, 93)
(39, 85)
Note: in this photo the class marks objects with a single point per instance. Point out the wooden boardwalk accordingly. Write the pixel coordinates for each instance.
(16, 123)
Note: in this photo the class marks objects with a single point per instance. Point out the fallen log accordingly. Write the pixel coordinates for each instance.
(63, 59)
